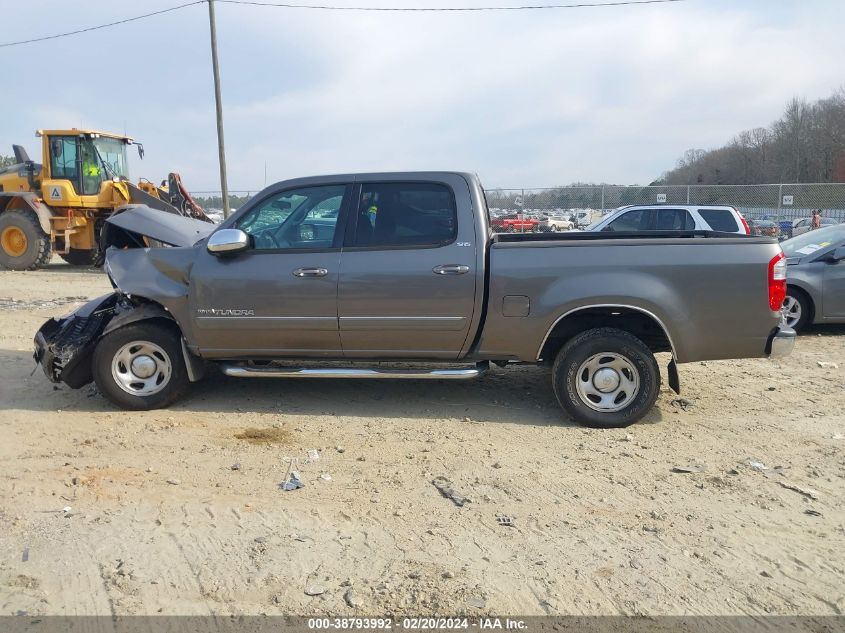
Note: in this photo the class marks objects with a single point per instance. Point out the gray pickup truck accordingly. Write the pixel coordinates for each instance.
(398, 275)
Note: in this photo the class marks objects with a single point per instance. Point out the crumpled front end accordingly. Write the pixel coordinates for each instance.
(64, 346)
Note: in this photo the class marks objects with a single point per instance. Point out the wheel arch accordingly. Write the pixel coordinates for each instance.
(635, 320)
(26, 201)
(149, 310)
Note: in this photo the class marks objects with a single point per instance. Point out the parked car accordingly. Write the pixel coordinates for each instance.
(806, 224)
(768, 228)
(815, 277)
(584, 217)
(409, 272)
(658, 217)
(515, 222)
(556, 222)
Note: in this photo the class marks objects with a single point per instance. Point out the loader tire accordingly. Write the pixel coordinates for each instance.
(23, 244)
(79, 257)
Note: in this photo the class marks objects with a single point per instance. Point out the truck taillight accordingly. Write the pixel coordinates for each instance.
(745, 225)
(777, 281)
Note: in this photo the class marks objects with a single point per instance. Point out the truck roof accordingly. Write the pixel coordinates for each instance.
(383, 175)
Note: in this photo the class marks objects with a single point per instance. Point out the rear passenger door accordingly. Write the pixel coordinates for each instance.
(408, 271)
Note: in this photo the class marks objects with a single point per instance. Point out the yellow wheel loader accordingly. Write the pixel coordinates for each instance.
(60, 206)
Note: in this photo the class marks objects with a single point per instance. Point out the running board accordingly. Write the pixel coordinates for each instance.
(464, 373)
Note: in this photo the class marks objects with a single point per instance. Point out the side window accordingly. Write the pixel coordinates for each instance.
(296, 218)
(719, 220)
(630, 221)
(674, 220)
(405, 214)
(63, 164)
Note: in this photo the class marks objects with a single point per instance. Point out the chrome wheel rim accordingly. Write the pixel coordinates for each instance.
(791, 311)
(141, 368)
(607, 382)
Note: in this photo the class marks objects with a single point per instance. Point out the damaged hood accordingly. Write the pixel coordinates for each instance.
(162, 226)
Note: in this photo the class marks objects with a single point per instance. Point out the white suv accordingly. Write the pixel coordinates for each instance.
(673, 217)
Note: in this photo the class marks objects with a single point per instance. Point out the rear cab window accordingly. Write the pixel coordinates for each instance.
(720, 219)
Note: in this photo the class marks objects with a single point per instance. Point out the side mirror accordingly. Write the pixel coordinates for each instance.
(227, 242)
(838, 254)
(140, 151)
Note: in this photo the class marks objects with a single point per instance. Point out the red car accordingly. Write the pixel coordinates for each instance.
(513, 223)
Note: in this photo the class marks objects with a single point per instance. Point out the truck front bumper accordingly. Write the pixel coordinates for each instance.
(64, 346)
(781, 341)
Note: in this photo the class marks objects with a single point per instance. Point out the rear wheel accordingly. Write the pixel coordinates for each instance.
(79, 257)
(23, 245)
(140, 366)
(606, 378)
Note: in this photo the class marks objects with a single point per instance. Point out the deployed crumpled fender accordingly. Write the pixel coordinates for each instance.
(159, 275)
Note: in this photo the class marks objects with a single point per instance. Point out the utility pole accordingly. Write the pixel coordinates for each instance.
(219, 103)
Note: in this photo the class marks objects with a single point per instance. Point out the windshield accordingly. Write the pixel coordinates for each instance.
(112, 155)
(812, 241)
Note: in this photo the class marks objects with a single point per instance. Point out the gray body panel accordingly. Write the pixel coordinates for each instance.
(710, 295)
(824, 282)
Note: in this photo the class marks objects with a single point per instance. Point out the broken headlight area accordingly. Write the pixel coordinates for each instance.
(64, 346)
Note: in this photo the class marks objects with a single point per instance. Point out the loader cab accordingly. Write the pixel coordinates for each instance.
(84, 159)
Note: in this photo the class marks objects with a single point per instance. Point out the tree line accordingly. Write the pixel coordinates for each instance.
(805, 145)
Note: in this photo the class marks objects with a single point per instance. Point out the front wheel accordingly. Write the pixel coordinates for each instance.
(606, 378)
(140, 366)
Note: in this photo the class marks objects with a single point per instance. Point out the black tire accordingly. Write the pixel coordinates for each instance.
(590, 344)
(806, 305)
(37, 249)
(161, 335)
(79, 257)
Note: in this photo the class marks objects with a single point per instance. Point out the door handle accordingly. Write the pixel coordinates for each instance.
(310, 272)
(450, 269)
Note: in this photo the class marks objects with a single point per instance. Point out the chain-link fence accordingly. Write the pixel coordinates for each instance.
(778, 201)
(774, 202)
(212, 201)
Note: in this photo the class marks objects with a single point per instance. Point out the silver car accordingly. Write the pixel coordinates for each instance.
(799, 227)
(815, 277)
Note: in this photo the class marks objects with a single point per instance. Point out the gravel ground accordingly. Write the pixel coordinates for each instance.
(180, 511)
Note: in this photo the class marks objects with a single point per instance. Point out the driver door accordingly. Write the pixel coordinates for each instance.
(279, 297)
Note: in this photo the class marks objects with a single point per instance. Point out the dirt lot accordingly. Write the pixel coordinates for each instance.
(180, 511)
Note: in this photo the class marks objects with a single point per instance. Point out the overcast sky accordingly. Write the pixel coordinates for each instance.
(526, 99)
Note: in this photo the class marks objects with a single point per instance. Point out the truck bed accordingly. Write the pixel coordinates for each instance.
(707, 289)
